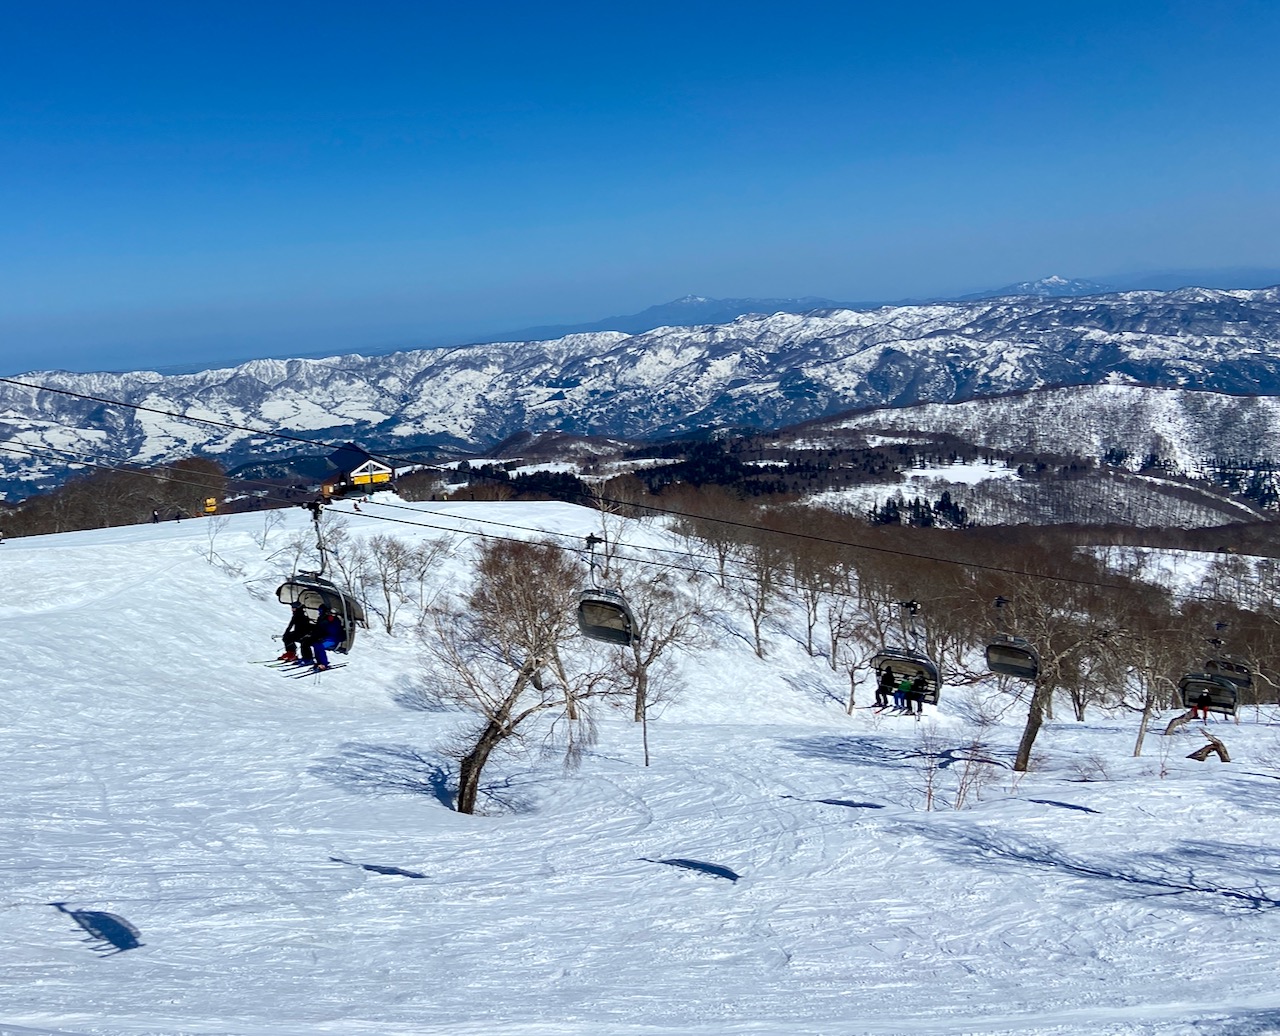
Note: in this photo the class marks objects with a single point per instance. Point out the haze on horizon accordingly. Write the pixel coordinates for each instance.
(187, 186)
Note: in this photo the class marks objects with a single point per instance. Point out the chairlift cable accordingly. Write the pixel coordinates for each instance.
(693, 556)
(171, 413)
(811, 537)
(157, 473)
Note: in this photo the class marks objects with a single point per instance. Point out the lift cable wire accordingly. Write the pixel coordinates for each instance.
(231, 426)
(453, 530)
(669, 512)
(699, 562)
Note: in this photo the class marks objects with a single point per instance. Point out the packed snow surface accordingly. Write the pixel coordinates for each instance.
(286, 850)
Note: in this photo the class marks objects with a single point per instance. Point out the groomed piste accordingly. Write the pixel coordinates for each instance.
(282, 856)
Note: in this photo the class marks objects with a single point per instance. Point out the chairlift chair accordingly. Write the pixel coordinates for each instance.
(1228, 669)
(605, 616)
(1210, 692)
(311, 591)
(907, 663)
(1013, 656)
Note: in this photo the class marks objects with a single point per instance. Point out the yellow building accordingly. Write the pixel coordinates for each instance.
(355, 471)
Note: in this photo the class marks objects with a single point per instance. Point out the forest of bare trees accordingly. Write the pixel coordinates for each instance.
(102, 498)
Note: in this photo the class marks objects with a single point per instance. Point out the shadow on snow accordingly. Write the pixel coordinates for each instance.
(714, 869)
(379, 868)
(109, 934)
(386, 770)
(1170, 872)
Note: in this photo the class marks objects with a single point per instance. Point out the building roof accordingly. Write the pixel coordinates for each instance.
(347, 458)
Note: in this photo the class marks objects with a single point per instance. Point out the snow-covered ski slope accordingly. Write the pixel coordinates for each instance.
(286, 851)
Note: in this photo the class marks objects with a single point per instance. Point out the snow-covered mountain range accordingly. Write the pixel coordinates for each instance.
(1186, 429)
(760, 371)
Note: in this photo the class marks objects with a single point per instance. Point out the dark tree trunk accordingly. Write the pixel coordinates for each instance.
(1215, 746)
(1035, 718)
(473, 762)
(642, 692)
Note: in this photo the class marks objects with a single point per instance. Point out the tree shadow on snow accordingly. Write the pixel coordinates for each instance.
(508, 795)
(1167, 873)
(814, 689)
(856, 749)
(870, 751)
(386, 770)
(1265, 1022)
(849, 803)
(416, 698)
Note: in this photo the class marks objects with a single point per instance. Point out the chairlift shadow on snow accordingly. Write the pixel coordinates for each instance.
(387, 770)
(714, 869)
(848, 803)
(1064, 805)
(379, 868)
(109, 934)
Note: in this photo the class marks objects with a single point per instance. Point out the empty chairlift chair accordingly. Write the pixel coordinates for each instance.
(1209, 692)
(1230, 670)
(1013, 656)
(605, 616)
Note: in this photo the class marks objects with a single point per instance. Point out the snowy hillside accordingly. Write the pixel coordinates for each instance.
(762, 371)
(1189, 429)
(286, 851)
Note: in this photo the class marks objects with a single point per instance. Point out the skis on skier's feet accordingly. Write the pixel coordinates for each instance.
(311, 670)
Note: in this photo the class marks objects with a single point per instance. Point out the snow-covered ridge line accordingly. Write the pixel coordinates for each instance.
(1189, 429)
(760, 370)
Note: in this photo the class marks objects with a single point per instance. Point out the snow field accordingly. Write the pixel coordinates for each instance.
(264, 835)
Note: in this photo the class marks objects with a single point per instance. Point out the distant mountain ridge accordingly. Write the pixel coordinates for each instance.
(688, 311)
(692, 310)
(756, 372)
(1051, 287)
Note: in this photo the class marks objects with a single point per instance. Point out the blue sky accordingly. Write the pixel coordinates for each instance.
(188, 183)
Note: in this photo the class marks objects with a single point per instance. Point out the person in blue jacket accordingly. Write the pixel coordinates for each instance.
(327, 634)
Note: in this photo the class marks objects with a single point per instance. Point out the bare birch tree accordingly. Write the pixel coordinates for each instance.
(491, 655)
